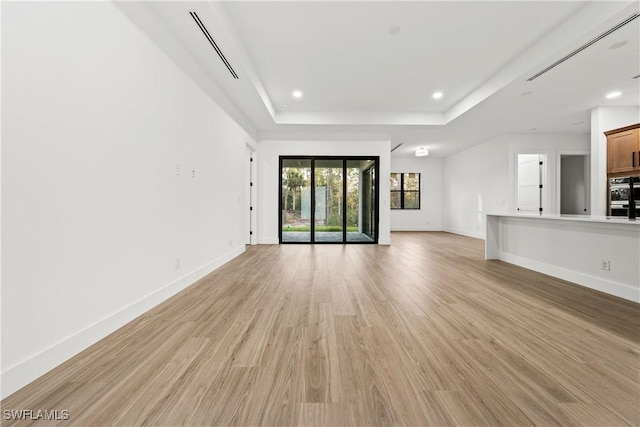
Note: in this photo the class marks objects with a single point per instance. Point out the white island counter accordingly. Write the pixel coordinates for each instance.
(601, 253)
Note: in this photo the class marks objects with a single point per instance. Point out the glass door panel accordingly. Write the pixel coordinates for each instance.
(296, 200)
(369, 202)
(329, 209)
(360, 201)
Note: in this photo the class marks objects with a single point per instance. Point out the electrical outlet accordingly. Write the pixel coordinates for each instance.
(177, 265)
(605, 264)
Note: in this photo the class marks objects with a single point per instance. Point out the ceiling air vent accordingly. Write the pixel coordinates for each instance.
(584, 46)
(213, 43)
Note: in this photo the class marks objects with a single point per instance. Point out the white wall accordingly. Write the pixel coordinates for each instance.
(604, 119)
(268, 180)
(94, 121)
(482, 179)
(429, 217)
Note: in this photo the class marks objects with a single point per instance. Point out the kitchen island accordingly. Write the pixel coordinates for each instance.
(602, 253)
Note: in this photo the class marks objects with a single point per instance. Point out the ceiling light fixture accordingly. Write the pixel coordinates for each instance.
(437, 95)
(422, 151)
(297, 94)
(612, 95)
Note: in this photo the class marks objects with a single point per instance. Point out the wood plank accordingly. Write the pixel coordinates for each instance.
(423, 332)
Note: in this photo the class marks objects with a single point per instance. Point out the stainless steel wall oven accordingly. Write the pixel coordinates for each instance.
(620, 195)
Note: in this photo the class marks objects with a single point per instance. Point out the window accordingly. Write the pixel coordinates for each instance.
(405, 191)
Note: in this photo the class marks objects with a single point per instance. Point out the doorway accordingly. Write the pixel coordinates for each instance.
(328, 199)
(574, 184)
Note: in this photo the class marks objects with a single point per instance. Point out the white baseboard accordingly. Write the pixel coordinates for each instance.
(22, 373)
(607, 286)
(464, 233)
(402, 228)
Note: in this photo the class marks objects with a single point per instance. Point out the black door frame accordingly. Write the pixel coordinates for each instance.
(373, 223)
(345, 159)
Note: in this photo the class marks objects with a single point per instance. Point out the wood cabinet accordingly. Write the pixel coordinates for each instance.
(623, 149)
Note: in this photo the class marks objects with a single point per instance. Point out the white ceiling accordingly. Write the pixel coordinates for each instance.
(345, 59)
(361, 82)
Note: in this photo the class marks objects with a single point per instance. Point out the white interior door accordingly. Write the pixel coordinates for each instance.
(250, 196)
(529, 180)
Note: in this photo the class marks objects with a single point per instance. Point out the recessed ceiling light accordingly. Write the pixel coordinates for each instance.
(612, 95)
(527, 93)
(297, 94)
(422, 151)
(395, 29)
(618, 45)
(437, 95)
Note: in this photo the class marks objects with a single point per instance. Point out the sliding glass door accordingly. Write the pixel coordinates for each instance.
(328, 199)
(329, 206)
(295, 199)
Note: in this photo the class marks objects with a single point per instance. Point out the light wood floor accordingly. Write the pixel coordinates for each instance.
(424, 332)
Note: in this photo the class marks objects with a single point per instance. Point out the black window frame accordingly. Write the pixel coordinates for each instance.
(376, 207)
(402, 191)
